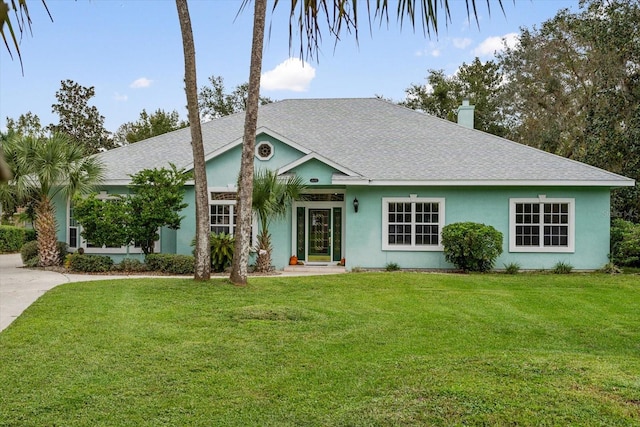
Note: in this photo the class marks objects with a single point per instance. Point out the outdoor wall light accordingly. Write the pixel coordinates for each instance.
(356, 203)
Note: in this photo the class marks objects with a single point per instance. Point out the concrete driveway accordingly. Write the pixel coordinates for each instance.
(20, 287)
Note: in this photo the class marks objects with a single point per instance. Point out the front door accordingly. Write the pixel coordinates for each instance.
(319, 240)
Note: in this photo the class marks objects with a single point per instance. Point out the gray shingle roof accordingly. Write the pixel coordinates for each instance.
(376, 139)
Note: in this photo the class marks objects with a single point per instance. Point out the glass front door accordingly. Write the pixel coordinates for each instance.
(319, 239)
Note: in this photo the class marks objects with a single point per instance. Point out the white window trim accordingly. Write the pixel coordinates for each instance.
(254, 217)
(570, 248)
(413, 247)
(82, 243)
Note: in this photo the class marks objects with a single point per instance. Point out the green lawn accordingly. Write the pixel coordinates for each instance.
(370, 349)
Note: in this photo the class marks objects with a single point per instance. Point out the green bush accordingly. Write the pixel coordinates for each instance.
(29, 251)
(562, 268)
(392, 266)
(222, 246)
(130, 265)
(625, 243)
(11, 238)
(170, 263)
(29, 234)
(512, 268)
(90, 263)
(471, 246)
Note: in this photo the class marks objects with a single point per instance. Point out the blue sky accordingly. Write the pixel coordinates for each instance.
(131, 52)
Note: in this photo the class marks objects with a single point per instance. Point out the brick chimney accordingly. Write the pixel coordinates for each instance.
(465, 114)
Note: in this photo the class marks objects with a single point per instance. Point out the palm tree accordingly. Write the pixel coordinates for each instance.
(43, 168)
(240, 263)
(340, 15)
(202, 250)
(272, 196)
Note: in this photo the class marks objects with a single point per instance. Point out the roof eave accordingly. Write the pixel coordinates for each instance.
(342, 180)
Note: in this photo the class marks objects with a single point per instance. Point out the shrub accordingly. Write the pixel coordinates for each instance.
(29, 251)
(90, 263)
(471, 246)
(392, 266)
(11, 238)
(610, 268)
(512, 268)
(130, 265)
(222, 245)
(625, 243)
(29, 235)
(171, 263)
(562, 267)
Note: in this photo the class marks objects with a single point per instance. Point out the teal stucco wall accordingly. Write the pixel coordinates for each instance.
(488, 205)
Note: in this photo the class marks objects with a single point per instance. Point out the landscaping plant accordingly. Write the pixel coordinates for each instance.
(471, 246)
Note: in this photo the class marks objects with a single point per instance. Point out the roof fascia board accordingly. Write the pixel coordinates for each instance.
(483, 183)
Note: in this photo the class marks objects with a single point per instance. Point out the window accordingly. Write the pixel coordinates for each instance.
(412, 223)
(73, 229)
(223, 214)
(541, 225)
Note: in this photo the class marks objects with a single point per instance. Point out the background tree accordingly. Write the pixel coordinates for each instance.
(147, 126)
(77, 119)
(27, 125)
(574, 89)
(43, 168)
(272, 196)
(479, 82)
(214, 102)
(202, 248)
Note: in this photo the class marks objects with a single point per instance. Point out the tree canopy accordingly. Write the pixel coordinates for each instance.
(149, 125)
(215, 102)
(79, 120)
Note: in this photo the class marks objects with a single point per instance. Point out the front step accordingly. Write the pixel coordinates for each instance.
(324, 269)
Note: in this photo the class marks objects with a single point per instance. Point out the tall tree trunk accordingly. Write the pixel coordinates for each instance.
(203, 252)
(240, 263)
(45, 225)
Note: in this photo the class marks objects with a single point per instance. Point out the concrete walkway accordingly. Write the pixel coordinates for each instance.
(20, 287)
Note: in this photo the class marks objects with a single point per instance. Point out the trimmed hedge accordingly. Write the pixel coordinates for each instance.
(90, 263)
(130, 265)
(171, 263)
(12, 238)
(471, 246)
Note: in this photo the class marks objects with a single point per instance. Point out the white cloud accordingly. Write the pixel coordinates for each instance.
(293, 74)
(461, 42)
(119, 97)
(142, 82)
(432, 50)
(495, 44)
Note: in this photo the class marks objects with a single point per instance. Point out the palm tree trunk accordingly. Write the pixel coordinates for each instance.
(263, 261)
(202, 250)
(240, 265)
(45, 225)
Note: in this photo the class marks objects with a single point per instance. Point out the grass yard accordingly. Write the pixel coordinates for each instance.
(370, 349)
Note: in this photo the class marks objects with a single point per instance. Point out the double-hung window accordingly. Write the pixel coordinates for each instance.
(412, 223)
(222, 212)
(223, 215)
(541, 225)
